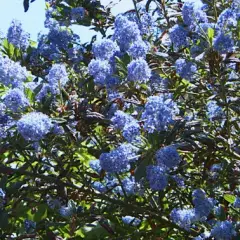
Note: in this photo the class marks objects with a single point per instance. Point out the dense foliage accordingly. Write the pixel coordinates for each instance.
(134, 136)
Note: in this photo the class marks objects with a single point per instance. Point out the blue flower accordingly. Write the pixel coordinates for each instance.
(168, 157)
(223, 43)
(131, 131)
(66, 212)
(213, 110)
(12, 73)
(178, 36)
(157, 177)
(138, 49)
(203, 205)
(223, 231)
(57, 76)
(126, 32)
(2, 109)
(118, 159)
(77, 13)
(227, 18)
(192, 14)
(129, 220)
(100, 70)
(185, 69)
(159, 113)
(60, 37)
(184, 217)
(29, 225)
(34, 126)
(95, 165)
(120, 119)
(179, 180)
(99, 187)
(216, 167)
(105, 49)
(236, 203)
(138, 70)
(203, 236)
(146, 23)
(15, 100)
(129, 185)
(17, 36)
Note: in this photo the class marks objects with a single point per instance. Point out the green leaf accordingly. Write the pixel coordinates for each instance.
(30, 94)
(141, 169)
(3, 219)
(41, 213)
(210, 34)
(229, 198)
(96, 231)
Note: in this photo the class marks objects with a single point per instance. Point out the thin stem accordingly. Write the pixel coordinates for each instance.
(135, 6)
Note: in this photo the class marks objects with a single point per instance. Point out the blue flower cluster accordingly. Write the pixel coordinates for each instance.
(77, 13)
(126, 32)
(129, 220)
(168, 157)
(54, 44)
(193, 14)
(128, 186)
(66, 212)
(227, 18)
(236, 203)
(138, 70)
(57, 77)
(223, 230)
(99, 69)
(126, 39)
(185, 69)
(223, 43)
(184, 217)
(2, 109)
(138, 49)
(105, 49)
(203, 205)
(129, 126)
(34, 126)
(146, 22)
(159, 113)
(118, 160)
(15, 100)
(12, 73)
(178, 36)
(29, 225)
(17, 36)
(213, 110)
(157, 177)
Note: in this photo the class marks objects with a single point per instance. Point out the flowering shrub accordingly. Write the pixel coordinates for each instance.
(135, 136)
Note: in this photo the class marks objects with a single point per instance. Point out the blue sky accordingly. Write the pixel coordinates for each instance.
(33, 20)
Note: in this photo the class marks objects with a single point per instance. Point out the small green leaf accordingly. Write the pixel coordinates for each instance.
(141, 169)
(229, 198)
(41, 213)
(210, 34)
(3, 219)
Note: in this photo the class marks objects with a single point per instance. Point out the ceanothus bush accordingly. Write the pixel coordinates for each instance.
(133, 135)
